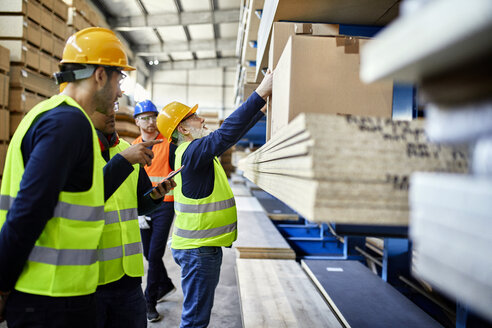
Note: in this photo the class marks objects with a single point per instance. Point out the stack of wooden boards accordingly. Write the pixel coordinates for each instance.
(348, 169)
(450, 213)
(4, 101)
(274, 290)
(257, 236)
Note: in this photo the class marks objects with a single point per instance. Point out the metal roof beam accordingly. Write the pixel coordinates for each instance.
(184, 18)
(193, 45)
(196, 64)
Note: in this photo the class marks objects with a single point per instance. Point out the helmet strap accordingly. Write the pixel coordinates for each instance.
(71, 76)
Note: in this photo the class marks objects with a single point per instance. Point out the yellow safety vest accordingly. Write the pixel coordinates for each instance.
(63, 261)
(209, 221)
(120, 248)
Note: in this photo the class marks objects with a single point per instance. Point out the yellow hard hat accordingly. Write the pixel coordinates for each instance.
(171, 115)
(96, 46)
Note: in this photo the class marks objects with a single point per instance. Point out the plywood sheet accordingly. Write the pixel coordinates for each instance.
(277, 293)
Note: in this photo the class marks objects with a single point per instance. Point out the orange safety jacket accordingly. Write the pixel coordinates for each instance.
(160, 167)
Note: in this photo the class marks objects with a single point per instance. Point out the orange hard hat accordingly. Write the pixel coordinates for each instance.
(171, 115)
(96, 46)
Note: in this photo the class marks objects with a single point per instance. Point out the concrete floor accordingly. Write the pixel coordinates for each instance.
(226, 311)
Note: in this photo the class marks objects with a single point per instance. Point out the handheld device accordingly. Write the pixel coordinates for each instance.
(169, 176)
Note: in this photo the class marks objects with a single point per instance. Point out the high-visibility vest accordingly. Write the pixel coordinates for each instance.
(120, 248)
(63, 261)
(209, 221)
(160, 167)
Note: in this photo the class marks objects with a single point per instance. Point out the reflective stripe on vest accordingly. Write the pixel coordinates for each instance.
(126, 215)
(205, 208)
(64, 210)
(63, 260)
(113, 253)
(197, 234)
(55, 256)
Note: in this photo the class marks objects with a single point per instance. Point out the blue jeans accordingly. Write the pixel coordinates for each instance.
(154, 245)
(29, 310)
(123, 307)
(200, 271)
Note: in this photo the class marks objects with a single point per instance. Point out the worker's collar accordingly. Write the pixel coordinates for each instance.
(107, 141)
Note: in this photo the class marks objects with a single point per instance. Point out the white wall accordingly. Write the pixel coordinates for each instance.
(212, 89)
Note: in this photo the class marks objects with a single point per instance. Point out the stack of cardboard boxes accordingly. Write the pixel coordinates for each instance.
(4, 100)
(250, 21)
(81, 15)
(35, 34)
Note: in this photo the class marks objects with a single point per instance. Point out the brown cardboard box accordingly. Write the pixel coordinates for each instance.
(58, 46)
(15, 119)
(17, 50)
(48, 4)
(22, 101)
(281, 32)
(19, 27)
(46, 19)
(31, 9)
(321, 75)
(60, 28)
(4, 125)
(60, 9)
(4, 90)
(4, 59)
(3, 154)
(47, 41)
(45, 63)
(21, 77)
(32, 57)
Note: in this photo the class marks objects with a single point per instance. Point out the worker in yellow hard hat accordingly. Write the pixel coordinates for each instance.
(53, 192)
(203, 200)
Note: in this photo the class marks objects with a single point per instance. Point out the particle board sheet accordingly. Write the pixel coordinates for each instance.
(277, 293)
(259, 238)
(248, 204)
(275, 209)
(348, 169)
(451, 219)
(361, 299)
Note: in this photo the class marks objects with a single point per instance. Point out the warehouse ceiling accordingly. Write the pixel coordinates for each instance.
(177, 34)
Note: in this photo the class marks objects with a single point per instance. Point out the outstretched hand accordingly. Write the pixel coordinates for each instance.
(139, 153)
(264, 90)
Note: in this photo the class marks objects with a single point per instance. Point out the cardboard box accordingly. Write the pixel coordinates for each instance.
(60, 9)
(15, 119)
(46, 19)
(17, 50)
(281, 32)
(19, 27)
(3, 155)
(58, 46)
(60, 28)
(45, 64)
(321, 75)
(32, 57)
(23, 78)
(4, 125)
(4, 90)
(47, 41)
(30, 9)
(4, 59)
(48, 4)
(22, 101)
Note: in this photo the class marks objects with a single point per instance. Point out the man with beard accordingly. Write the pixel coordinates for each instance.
(119, 297)
(52, 195)
(204, 203)
(155, 227)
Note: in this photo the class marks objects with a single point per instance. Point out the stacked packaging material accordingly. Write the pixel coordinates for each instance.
(451, 214)
(348, 169)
